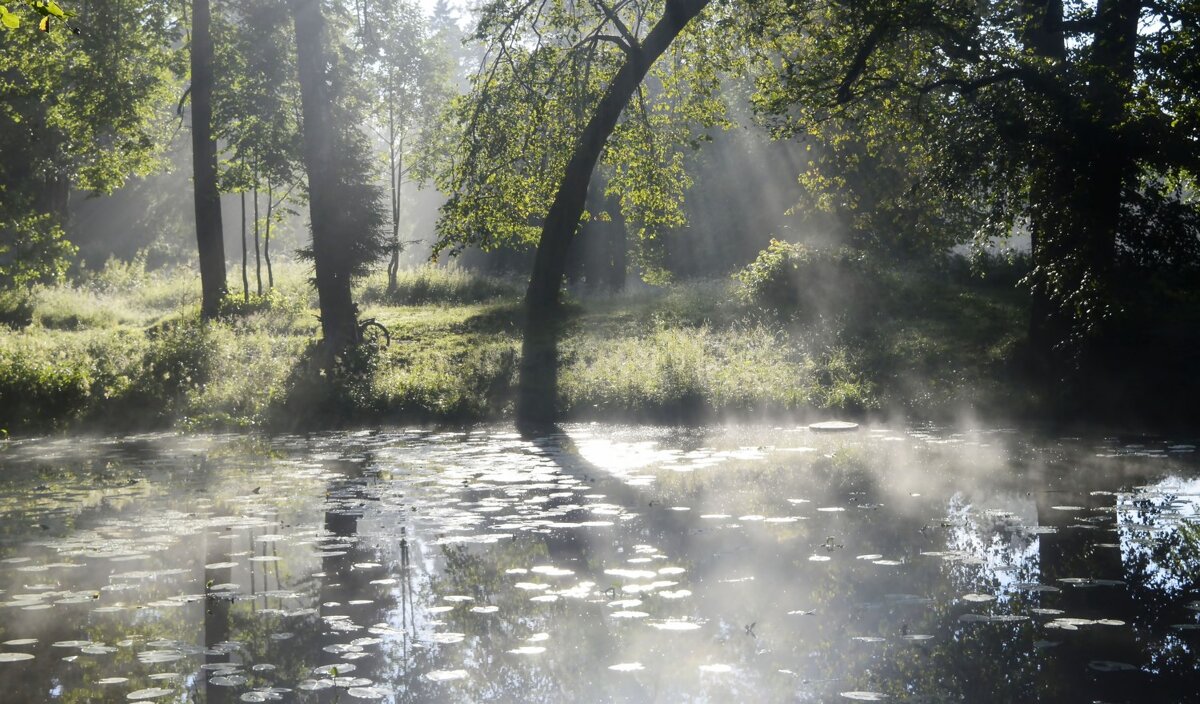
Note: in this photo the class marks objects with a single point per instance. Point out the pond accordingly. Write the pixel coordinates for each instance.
(605, 563)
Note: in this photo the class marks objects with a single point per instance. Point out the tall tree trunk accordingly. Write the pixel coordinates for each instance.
(394, 159)
(245, 276)
(1051, 186)
(1108, 171)
(267, 237)
(257, 248)
(538, 388)
(339, 320)
(616, 244)
(1111, 167)
(209, 237)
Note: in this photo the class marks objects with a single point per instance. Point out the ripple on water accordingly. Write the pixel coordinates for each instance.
(149, 693)
(676, 625)
(446, 675)
(627, 667)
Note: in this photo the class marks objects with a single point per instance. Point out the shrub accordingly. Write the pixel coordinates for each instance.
(119, 274)
(16, 308)
(790, 278)
(179, 359)
(33, 249)
(42, 389)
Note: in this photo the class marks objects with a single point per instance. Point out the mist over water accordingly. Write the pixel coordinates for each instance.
(605, 563)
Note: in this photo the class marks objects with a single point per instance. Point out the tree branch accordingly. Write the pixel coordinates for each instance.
(859, 65)
(630, 37)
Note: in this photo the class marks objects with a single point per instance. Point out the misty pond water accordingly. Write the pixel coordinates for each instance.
(603, 564)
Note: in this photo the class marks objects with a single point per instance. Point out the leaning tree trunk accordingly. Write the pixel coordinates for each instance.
(209, 237)
(538, 386)
(339, 321)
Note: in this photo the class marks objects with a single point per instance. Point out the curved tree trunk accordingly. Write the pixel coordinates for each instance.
(339, 320)
(538, 387)
(209, 237)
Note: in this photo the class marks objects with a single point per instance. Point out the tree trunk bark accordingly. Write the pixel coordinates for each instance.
(537, 391)
(339, 320)
(1050, 189)
(1109, 170)
(395, 160)
(209, 237)
(267, 237)
(245, 276)
(1111, 167)
(257, 247)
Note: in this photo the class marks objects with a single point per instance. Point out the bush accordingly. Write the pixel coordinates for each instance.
(40, 390)
(794, 279)
(33, 249)
(16, 308)
(119, 274)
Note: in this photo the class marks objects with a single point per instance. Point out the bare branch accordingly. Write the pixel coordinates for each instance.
(630, 37)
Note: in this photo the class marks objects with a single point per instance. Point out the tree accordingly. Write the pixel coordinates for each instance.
(557, 83)
(1059, 118)
(256, 110)
(409, 78)
(210, 239)
(77, 113)
(344, 203)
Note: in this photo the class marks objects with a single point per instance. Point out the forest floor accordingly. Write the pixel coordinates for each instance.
(124, 350)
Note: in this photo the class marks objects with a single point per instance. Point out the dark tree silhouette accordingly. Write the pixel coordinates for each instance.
(209, 237)
(344, 205)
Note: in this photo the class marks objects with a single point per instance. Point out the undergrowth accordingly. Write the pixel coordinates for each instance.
(123, 348)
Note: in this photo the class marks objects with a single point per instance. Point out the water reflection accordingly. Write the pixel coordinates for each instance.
(601, 564)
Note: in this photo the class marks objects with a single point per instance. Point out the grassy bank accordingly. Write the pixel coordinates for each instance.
(124, 349)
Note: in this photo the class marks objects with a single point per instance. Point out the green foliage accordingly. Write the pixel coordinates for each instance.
(67, 308)
(936, 122)
(46, 9)
(936, 344)
(16, 308)
(35, 387)
(9, 19)
(33, 249)
(545, 69)
(791, 279)
(256, 104)
(78, 112)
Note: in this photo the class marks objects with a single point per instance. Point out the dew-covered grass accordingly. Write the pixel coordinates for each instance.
(124, 348)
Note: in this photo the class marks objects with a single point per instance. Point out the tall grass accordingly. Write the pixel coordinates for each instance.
(125, 348)
(430, 284)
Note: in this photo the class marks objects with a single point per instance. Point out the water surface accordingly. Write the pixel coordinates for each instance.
(602, 564)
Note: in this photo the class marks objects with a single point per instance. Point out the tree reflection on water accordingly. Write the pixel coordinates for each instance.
(599, 564)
